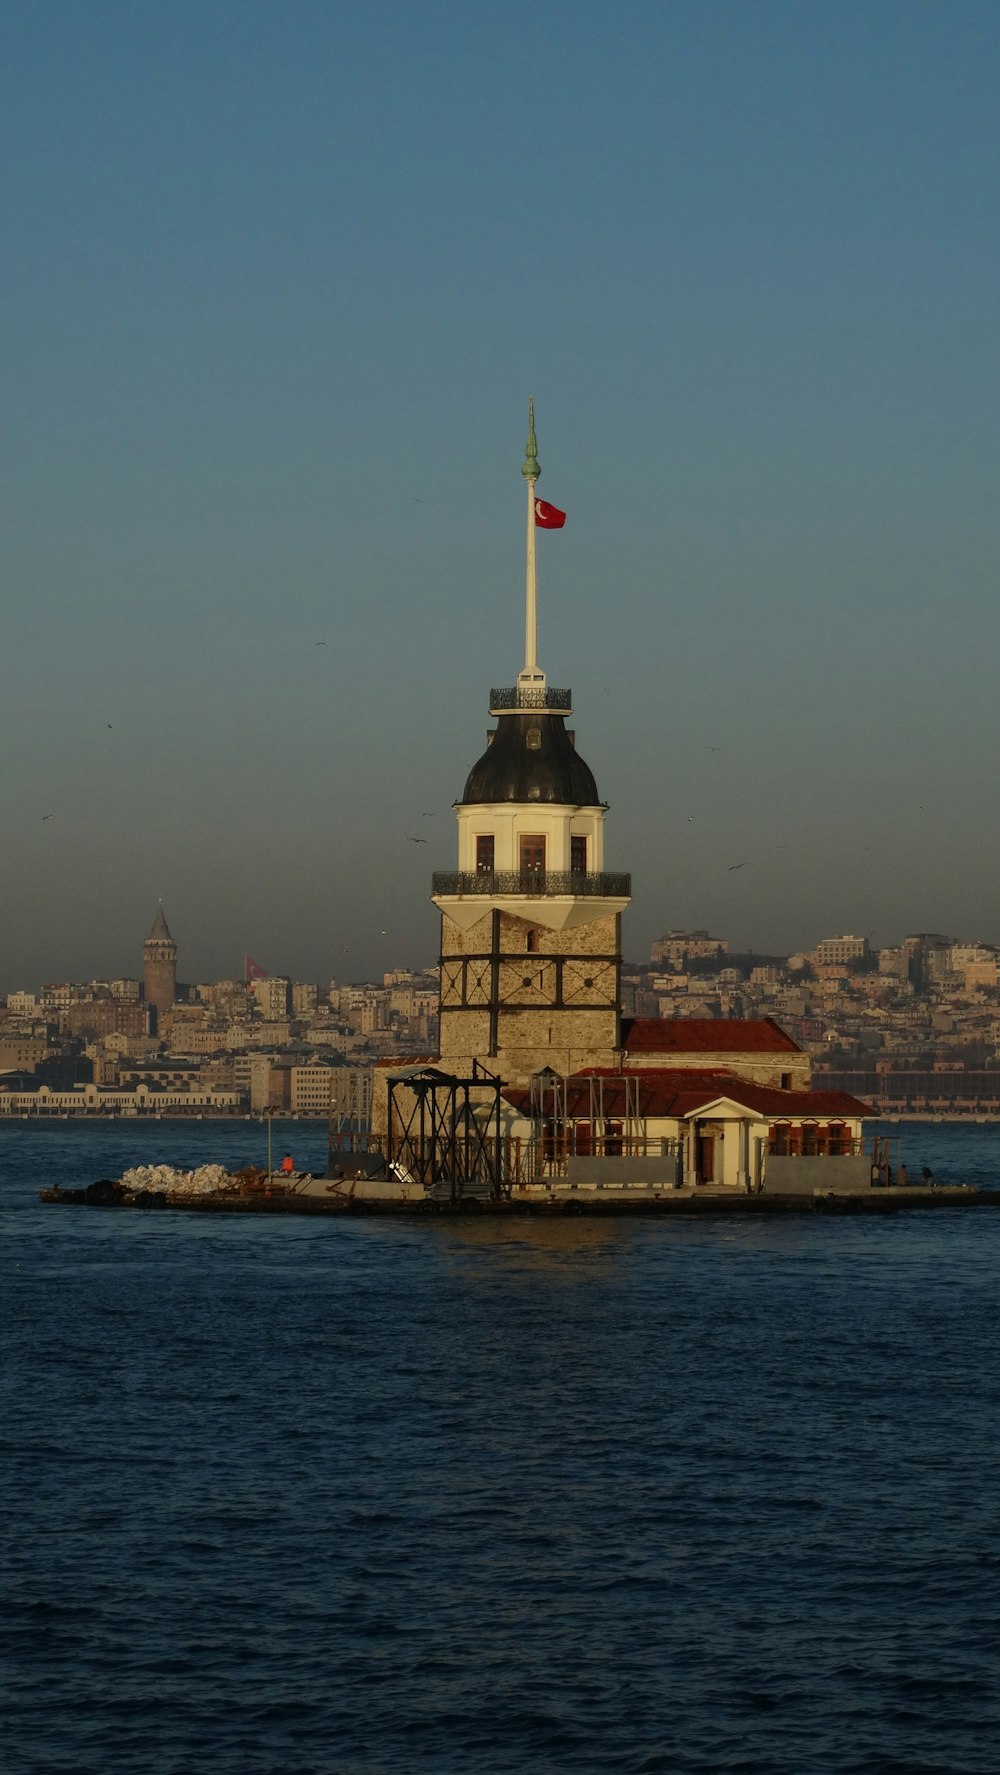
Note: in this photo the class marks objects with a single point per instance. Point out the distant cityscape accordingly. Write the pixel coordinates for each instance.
(911, 1029)
(153, 1045)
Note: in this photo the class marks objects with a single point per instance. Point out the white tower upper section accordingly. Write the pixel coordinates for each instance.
(531, 821)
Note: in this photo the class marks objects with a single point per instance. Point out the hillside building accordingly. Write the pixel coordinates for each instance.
(677, 948)
(838, 950)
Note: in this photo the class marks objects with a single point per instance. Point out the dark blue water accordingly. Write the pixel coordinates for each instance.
(358, 1496)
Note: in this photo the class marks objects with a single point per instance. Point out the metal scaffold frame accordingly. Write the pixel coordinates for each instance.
(439, 1135)
(608, 1132)
(349, 1117)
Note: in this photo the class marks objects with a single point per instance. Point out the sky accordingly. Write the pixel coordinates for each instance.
(278, 282)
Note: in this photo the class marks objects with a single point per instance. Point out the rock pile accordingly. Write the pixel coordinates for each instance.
(207, 1180)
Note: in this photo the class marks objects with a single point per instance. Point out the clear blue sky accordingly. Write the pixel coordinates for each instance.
(278, 281)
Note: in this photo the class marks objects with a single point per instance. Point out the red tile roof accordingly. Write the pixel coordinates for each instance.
(705, 1035)
(682, 1091)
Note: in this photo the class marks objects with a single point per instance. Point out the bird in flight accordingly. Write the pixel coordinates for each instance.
(428, 816)
(733, 866)
(319, 643)
(46, 817)
(418, 841)
(108, 724)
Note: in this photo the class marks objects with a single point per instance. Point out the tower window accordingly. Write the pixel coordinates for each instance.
(484, 854)
(531, 855)
(578, 856)
(533, 739)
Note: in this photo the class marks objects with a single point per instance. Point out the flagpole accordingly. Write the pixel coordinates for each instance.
(531, 471)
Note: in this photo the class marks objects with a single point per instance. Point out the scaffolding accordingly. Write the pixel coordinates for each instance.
(607, 1125)
(445, 1132)
(349, 1118)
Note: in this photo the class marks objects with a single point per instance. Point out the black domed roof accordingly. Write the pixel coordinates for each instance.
(532, 758)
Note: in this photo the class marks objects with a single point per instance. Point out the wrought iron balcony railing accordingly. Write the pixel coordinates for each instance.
(527, 696)
(499, 882)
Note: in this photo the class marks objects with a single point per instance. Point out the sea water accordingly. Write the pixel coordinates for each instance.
(351, 1496)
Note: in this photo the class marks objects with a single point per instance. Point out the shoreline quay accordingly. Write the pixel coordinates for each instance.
(882, 1201)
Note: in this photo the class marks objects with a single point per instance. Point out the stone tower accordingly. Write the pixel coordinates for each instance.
(159, 956)
(531, 922)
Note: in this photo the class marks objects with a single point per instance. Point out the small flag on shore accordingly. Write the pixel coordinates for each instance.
(548, 517)
(252, 970)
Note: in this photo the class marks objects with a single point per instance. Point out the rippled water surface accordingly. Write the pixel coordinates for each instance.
(356, 1496)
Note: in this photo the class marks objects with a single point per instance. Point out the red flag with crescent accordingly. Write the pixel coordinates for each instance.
(252, 970)
(548, 517)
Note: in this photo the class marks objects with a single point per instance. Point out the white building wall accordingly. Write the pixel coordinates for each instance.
(508, 822)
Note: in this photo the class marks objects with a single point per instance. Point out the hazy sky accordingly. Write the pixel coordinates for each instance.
(278, 282)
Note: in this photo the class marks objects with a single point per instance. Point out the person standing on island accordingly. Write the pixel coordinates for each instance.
(287, 1165)
(927, 1177)
(901, 1177)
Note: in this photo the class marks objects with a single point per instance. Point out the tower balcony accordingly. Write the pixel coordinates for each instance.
(559, 899)
(499, 884)
(530, 696)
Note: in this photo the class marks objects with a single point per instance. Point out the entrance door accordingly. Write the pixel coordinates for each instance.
(706, 1158)
(531, 857)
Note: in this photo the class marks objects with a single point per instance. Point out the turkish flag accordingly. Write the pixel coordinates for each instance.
(252, 970)
(548, 517)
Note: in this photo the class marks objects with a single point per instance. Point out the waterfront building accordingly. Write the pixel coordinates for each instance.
(159, 957)
(688, 1126)
(96, 1100)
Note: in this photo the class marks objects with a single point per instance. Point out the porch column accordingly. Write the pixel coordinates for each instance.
(690, 1138)
(743, 1158)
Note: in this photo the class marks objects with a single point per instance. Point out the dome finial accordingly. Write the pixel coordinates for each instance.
(531, 469)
